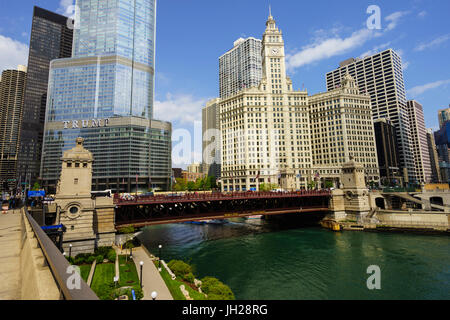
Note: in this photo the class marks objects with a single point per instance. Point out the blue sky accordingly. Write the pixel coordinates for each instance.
(192, 34)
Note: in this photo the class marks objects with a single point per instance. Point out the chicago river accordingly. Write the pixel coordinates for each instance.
(286, 259)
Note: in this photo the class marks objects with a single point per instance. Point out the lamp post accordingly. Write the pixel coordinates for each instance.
(154, 295)
(131, 252)
(142, 265)
(160, 246)
(70, 250)
(116, 279)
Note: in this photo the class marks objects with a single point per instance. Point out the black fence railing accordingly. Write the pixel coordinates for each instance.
(59, 267)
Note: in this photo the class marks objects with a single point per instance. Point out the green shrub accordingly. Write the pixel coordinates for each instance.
(71, 260)
(216, 290)
(90, 260)
(111, 256)
(179, 268)
(103, 251)
(126, 230)
(99, 258)
(189, 277)
(106, 291)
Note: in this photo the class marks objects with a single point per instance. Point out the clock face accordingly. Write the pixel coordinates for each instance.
(274, 51)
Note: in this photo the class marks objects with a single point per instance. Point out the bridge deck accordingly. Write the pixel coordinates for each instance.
(191, 197)
(10, 230)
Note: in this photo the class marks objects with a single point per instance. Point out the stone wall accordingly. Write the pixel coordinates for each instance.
(402, 219)
(37, 281)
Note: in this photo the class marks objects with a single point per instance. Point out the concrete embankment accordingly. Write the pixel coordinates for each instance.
(396, 220)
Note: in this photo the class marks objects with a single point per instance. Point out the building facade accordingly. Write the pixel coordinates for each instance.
(12, 90)
(443, 116)
(50, 39)
(211, 148)
(381, 75)
(419, 142)
(240, 67)
(104, 93)
(387, 152)
(265, 128)
(434, 158)
(341, 128)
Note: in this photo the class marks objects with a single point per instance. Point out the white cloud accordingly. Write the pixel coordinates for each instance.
(326, 48)
(375, 49)
(434, 43)
(418, 90)
(64, 6)
(327, 44)
(405, 65)
(422, 14)
(394, 18)
(183, 108)
(12, 53)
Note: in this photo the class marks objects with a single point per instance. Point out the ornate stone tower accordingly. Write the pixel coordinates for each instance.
(87, 221)
(356, 194)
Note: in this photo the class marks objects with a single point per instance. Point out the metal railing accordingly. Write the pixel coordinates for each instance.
(59, 265)
(215, 196)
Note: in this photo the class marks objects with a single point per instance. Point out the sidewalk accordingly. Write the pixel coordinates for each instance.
(10, 227)
(152, 280)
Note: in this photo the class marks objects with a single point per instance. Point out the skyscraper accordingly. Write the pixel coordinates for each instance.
(12, 88)
(434, 158)
(211, 146)
(265, 128)
(419, 142)
(50, 39)
(387, 151)
(381, 75)
(104, 93)
(240, 67)
(444, 116)
(341, 127)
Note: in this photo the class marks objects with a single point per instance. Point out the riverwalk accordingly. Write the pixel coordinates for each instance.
(152, 280)
(10, 230)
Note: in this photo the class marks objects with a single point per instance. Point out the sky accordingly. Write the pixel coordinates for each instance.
(192, 34)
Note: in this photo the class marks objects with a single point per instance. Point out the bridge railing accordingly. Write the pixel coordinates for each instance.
(217, 196)
(59, 266)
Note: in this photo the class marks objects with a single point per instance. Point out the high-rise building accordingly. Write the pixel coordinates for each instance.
(12, 88)
(419, 141)
(342, 126)
(387, 151)
(381, 75)
(265, 128)
(443, 116)
(434, 158)
(240, 67)
(104, 93)
(50, 39)
(211, 138)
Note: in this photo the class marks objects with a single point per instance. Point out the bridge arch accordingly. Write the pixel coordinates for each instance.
(380, 203)
(437, 200)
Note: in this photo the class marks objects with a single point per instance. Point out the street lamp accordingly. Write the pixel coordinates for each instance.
(131, 252)
(116, 279)
(142, 265)
(154, 295)
(70, 250)
(160, 246)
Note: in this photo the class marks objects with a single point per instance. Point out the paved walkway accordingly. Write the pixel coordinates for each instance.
(152, 280)
(10, 225)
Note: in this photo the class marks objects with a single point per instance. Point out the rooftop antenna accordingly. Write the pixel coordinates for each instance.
(270, 10)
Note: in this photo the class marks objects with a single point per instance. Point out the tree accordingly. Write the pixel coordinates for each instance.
(328, 184)
(36, 186)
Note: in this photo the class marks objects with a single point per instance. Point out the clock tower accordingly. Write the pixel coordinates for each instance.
(274, 66)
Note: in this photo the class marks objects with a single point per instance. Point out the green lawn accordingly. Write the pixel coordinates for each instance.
(85, 269)
(128, 273)
(174, 286)
(104, 275)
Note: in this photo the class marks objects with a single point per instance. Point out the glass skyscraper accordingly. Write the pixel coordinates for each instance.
(50, 39)
(104, 93)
